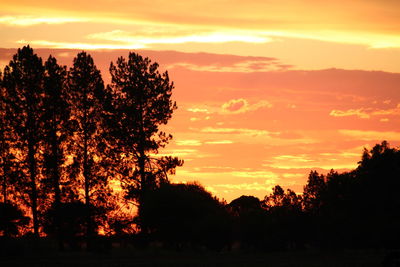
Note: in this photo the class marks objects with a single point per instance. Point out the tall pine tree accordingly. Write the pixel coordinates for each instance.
(23, 82)
(56, 118)
(88, 94)
(141, 104)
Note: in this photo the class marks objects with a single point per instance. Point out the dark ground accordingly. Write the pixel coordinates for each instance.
(156, 257)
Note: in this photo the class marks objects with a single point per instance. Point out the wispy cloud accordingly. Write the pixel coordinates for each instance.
(371, 136)
(256, 186)
(236, 106)
(219, 142)
(31, 20)
(361, 113)
(72, 45)
(252, 132)
(245, 66)
(294, 158)
(165, 38)
(199, 110)
(366, 113)
(188, 143)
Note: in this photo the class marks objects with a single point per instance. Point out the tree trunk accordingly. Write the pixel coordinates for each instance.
(86, 177)
(33, 188)
(55, 171)
(143, 188)
(142, 171)
(56, 182)
(4, 185)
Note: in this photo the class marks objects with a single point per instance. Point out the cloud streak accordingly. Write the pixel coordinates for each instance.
(161, 38)
(236, 106)
(366, 113)
(32, 21)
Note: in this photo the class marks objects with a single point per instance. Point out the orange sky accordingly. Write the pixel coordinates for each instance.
(262, 104)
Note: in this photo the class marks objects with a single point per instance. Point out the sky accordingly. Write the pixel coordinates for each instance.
(266, 90)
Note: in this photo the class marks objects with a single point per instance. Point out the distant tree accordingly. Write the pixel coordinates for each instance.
(141, 104)
(87, 95)
(285, 217)
(249, 222)
(279, 199)
(244, 204)
(186, 215)
(313, 192)
(23, 81)
(378, 201)
(338, 213)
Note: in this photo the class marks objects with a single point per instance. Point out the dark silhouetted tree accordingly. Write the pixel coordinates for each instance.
(6, 156)
(88, 95)
(249, 222)
(186, 215)
(378, 194)
(23, 81)
(57, 137)
(141, 104)
(56, 120)
(313, 192)
(279, 199)
(285, 217)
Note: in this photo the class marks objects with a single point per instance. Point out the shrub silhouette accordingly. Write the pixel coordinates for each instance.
(11, 220)
(186, 215)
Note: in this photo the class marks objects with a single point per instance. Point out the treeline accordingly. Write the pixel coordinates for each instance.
(65, 137)
(355, 209)
(67, 140)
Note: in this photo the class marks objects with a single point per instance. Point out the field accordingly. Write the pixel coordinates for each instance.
(165, 258)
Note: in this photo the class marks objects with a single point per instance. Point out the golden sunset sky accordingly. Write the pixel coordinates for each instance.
(266, 90)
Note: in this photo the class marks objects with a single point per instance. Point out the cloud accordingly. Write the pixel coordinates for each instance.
(372, 135)
(73, 45)
(31, 20)
(345, 159)
(244, 66)
(188, 143)
(256, 174)
(256, 186)
(252, 132)
(199, 110)
(144, 39)
(219, 142)
(351, 112)
(236, 106)
(299, 19)
(391, 111)
(366, 113)
(293, 158)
